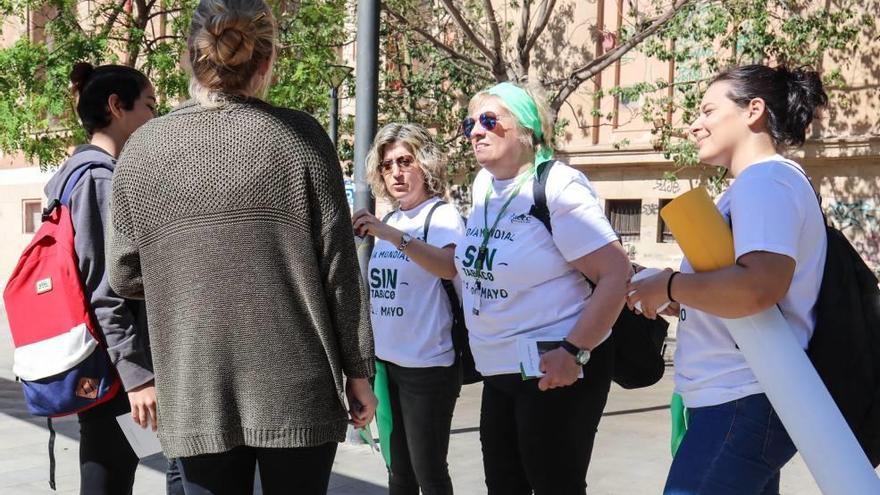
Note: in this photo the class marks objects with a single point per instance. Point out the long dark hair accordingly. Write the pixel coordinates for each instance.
(791, 97)
(93, 86)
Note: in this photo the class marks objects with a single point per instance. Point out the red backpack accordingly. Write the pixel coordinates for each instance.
(60, 355)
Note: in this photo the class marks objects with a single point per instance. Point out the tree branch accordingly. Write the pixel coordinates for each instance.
(434, 41)
(165, 12)
(598, 64)
(155, 40)
(543, 19)
(523, 58)
(140, 23)
(114, 14)
(497, 60)
(463, 24)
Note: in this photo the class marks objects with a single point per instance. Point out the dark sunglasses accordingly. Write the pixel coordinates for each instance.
(403, 163)
(488, 120)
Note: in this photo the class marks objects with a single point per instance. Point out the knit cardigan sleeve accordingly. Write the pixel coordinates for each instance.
(344, 290)
(123, 259)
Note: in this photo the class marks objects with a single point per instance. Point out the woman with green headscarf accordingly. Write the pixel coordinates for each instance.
(536, 240)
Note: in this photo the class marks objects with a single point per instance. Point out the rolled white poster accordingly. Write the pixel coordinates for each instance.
(804, 405)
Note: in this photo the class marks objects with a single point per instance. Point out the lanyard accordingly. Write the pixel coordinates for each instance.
(487, 232)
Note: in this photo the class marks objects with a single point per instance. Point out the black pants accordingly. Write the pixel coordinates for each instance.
(106, 461)
(304, 471)
(541, 441)
(422, 402)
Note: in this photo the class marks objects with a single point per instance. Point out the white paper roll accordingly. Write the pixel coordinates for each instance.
(804, 405)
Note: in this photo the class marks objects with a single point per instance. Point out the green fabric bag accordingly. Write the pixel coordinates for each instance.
(383, 411)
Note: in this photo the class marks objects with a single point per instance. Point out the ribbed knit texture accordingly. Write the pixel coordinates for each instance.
(232, 223)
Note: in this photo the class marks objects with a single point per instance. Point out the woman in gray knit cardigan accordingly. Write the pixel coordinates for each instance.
(230, 219)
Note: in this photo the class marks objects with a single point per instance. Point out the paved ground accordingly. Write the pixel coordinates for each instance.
(631, 455)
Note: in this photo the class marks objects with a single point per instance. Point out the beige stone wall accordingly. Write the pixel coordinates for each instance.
(16, 186)
(849, 185)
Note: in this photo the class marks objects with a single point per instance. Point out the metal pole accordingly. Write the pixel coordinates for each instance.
(334, 116)
(366, 108)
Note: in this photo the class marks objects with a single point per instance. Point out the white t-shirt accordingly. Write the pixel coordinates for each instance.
(774, 209)
(409, 308)
(528, 289)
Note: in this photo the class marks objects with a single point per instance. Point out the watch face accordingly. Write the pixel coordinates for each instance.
(583, 357)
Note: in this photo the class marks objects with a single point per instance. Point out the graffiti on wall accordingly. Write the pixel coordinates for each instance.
(667, 186)
(858, 215)
(860, 221)
(650, 209)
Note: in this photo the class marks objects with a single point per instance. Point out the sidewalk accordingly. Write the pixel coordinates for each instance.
(631, 455)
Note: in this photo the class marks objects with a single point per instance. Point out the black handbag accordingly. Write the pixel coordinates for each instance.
(638, 342)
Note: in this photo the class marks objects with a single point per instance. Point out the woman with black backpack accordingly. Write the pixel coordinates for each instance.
(411, 311)
(735, 443)
(526, 283)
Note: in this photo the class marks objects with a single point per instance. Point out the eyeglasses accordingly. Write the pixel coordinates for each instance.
(487, 119)
(403, 163)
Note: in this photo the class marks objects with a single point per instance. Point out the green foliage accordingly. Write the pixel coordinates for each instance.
(425, 85)
(37, 116)
(702, 38)
(710, 36)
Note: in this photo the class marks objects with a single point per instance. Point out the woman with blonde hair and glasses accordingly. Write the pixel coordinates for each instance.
(229, 217)
(524, 278)
(410, 309)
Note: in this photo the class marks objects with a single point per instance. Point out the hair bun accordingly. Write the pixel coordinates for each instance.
(228, 40)
(806, 83)
(805, 96)
(80, 75)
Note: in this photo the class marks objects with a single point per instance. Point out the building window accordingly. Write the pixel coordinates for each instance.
(663, 232)
(32, 210)
(625, 216)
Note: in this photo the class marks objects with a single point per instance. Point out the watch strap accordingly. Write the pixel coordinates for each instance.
(570, 348)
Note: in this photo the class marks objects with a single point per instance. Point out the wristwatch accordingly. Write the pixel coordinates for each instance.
(405, 239)
(581, 356)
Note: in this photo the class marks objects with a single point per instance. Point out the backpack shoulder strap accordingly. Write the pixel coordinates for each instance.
(539, 193)
(427, 226)
(388, 215)
(74, 178)
(539, 209)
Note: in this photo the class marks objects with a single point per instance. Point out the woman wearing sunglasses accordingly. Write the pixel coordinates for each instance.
(410, 310)
(520, 282)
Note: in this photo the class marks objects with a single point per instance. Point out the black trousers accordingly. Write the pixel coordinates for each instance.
(541, 441)
(422, 403)
(304, 471)
(106, 461)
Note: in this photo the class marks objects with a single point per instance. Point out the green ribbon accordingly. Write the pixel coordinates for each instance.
(679, 417)
(523, 107)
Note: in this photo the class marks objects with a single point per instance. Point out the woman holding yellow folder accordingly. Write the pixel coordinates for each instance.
(735, 442)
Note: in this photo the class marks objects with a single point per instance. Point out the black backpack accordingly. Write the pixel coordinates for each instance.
(638, 342)
(845, 346)
(459, 330)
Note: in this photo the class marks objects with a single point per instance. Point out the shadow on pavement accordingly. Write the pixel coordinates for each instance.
(12, 405)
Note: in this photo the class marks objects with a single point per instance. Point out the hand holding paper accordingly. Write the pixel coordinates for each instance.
(644, 287)
(144, 441)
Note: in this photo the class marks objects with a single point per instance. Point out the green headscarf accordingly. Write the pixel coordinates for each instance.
(523, 107)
